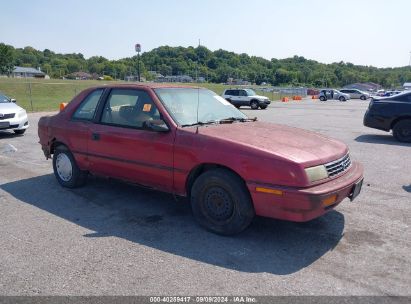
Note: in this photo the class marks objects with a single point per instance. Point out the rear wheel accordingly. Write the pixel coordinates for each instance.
(221, 202)
(402, 130)
(66, 170)
(322, 98)
(20, 132)
(254, 104)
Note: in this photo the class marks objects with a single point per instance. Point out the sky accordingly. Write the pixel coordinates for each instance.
(365, 32)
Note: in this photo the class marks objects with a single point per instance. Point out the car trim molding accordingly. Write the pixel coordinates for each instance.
(138, 163)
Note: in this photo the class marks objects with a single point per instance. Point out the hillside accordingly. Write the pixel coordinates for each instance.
(214, 66)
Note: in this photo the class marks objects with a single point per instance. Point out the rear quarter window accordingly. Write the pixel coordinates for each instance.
(88, 106)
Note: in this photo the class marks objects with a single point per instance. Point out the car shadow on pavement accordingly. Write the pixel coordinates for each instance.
(381, 139)
(155, 219)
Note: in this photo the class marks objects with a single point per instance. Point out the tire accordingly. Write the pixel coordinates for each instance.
(342, 98)
(363, 97)
(19, 132)
(402, 130)
(221, 202)
(263, 107)
(254, 104)
(322, 98)
(66, 170)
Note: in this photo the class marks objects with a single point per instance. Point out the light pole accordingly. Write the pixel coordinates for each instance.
(138, 50)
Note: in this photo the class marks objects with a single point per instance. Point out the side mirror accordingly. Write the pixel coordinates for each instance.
(13, 100)
(157, 125)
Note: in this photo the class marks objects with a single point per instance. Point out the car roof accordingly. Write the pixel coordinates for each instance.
(145, 86)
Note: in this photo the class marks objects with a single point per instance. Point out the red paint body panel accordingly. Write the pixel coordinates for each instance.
(263, 154)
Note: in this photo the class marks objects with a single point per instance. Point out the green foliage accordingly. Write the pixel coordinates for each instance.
(215, 67)
(6, 58)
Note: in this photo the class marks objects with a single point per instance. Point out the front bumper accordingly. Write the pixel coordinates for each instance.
(15, 123)
(304, 204)
(264, 102)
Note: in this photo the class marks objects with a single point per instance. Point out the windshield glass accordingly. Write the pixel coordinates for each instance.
(250, 92)
(4, 98)
(181, 103)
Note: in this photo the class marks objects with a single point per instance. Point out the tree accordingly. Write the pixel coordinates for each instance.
(6, 58)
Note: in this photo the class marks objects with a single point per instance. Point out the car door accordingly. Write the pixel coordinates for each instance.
(243, 97)
(79, 127)
(122, 147)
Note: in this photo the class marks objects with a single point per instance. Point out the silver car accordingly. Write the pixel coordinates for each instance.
(333, 95)
(356, 94)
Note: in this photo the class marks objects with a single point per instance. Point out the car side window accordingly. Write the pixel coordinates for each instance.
(88, 106)
(129, 108)
(234, 93)
(243, 93)
(228, 92)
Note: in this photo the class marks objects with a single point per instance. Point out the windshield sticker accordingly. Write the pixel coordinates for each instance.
(222, 100)
(147, 107)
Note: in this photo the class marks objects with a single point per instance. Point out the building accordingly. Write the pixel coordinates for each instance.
(407, 86)
(23, 72)
(179, 78)
(81, 76)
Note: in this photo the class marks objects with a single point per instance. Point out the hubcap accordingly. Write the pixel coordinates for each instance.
(63, 167)
(218, 204)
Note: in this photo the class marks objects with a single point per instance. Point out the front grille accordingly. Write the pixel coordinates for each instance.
(7, 116)
(338, 166)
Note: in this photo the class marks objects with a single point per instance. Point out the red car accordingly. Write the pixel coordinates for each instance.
(191, 142)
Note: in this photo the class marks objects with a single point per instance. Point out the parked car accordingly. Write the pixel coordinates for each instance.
(391, 113)
(391, 93)
(356, 94)
(246, 97)
(12, 116)
(190, 142)
(333, 94)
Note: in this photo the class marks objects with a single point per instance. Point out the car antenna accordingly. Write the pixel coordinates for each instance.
(198, 105)
(198, 89)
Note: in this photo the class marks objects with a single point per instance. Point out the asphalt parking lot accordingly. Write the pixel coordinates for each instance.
(111, 238)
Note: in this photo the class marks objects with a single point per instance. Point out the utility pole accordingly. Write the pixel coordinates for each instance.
(138, 50)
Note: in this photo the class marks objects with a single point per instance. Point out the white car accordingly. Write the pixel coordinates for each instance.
(12, 117)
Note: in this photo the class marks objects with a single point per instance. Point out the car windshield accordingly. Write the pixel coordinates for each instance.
(250, 92)
(4, 99)
(182, 103)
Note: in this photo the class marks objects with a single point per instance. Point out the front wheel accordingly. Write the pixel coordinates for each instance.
(402, 130)
(66, 170)
(263, 107)
(254, 104)
(221, 202)
(363, 97)
(342, 98)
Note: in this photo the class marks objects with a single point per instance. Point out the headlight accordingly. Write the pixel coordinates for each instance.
(316, 173)
(22, 113)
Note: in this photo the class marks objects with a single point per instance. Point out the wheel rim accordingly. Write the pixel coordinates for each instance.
(218, 205)
(63, 167)
(254, 105)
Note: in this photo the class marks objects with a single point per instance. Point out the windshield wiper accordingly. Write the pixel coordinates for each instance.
(233, 119)
(201, 123)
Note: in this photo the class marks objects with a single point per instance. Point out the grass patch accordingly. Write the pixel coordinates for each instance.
(46, 95)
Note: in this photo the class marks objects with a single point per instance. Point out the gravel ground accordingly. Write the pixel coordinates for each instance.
(111, 238)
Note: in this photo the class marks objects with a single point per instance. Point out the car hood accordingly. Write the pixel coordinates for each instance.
(9, 107)
(298, 145)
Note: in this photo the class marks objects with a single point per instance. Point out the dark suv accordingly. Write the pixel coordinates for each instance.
(391, 113)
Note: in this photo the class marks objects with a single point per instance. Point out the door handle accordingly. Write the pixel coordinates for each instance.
(95, 136)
